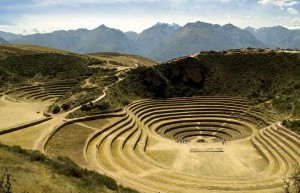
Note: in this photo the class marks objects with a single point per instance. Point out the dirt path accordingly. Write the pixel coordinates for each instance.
(84, 125)
(64, 115)
(29, 111)
(168, 166)
(60, 119)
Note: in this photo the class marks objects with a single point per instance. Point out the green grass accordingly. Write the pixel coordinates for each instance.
(87, 90)
(259, 75)
(70, 140)
(293, 124)
(34, 172)
(32, 66)
(72, 145)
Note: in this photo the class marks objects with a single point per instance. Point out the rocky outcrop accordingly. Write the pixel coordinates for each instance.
(186, 70)
(168, 79)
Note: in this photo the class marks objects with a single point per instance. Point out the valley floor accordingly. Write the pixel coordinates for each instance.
(153, 146)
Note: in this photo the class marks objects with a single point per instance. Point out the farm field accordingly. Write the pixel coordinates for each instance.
(24, 111)
(154, 143)
(73, 145)
(176, 145)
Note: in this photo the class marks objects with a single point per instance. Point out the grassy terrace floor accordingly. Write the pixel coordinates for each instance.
(175, 145)
(139, 150)
(72, 146)
(24, 111)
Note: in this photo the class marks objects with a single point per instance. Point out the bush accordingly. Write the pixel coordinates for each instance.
(294, 125)
(65, 106)
(56, 109)
(103, 105)
(37, 156)
(86, 107)
(126, 190)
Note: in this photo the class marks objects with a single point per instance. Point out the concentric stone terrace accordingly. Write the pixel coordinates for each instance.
(177, 145)
(42, 92)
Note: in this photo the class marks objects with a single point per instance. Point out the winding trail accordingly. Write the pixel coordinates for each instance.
(63, 115)
(53, 125)
(60, 120)
(141, 149)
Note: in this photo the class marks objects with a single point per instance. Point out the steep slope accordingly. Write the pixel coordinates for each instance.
(194, 37)
(29, 64)
(31, 171)
(65, 40)
(266, 77)
(151, 37)
(278, 36)
(3, 41)
(104, 39)
(9, 36)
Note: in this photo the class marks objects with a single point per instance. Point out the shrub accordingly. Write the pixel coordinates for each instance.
(56, 109)
(85, 107)
(65, 106)
(37, 156)
(103, 105)
(126, 190)
(292, 124)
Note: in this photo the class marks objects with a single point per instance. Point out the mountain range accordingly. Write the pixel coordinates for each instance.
(3, 41)
(162, 41)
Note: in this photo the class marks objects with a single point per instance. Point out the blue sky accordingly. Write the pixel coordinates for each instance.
(32, 16)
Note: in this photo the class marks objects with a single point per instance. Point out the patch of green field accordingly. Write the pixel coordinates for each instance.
(69, 141)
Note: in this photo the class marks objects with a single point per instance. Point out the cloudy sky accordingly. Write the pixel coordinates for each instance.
(32, 16)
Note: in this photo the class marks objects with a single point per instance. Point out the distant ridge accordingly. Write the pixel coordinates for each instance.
(9, 36)
(3, 41)
(198, 36)
(277, 36)
(163, 41)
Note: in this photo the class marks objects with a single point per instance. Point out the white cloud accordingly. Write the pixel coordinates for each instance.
(224, 1)
(45, 23)
(75, 2)
(295, 21)
(286, 18)
(292, 11)
(279, 3)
